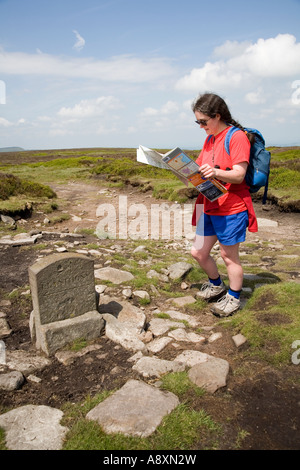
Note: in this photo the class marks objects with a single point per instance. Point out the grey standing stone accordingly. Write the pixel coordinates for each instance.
(64, 301)
(62, 286)
(136, 409)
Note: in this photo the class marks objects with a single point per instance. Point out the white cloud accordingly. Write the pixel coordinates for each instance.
(243, 62)
(231, 49)
(210, 76)
(148, 112)
(104, 130)
(166, 109)
(80, 43)
(255, 97)
(5, 123)
(90, 108)
(120, 68)
(169, 108)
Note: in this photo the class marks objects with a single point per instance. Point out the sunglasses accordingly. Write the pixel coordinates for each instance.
(202, 122)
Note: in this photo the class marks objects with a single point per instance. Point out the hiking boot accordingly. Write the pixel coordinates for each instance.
(209, 291)
(226, 306)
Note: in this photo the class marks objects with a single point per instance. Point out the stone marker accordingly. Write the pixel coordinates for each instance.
(136, 409)
(64, 301)
(62, 286)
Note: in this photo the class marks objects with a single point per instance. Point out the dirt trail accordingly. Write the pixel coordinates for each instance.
(82, 201)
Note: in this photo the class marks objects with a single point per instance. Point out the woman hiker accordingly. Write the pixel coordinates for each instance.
(227, 218)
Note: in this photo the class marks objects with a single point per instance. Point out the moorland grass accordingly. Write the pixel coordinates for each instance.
(119, 166)
(270, 322)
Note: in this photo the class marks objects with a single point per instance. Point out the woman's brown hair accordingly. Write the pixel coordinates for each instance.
(211, 105)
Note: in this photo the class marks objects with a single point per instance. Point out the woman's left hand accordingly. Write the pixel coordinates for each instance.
(207, 171)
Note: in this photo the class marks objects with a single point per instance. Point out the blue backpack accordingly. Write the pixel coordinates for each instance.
(258, 170)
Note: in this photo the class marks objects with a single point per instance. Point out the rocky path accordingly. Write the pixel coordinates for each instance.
(165, 335)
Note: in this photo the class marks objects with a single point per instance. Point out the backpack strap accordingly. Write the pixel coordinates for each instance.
(229, 134)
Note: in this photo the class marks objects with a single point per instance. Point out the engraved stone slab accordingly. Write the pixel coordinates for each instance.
(62, 287)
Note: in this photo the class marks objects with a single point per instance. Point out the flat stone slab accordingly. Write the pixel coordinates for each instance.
(25, 362)
(123, 333)
(182, 301)
(116, 276)
(154, 367)
(137, 409)
(184, 317)
(160, 326)
(190, 358)
(124, 311)
(158, 344)
(182, 335)
(19, 241)
(33, 427)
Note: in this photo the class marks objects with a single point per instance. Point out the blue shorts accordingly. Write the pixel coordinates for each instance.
(229, 229)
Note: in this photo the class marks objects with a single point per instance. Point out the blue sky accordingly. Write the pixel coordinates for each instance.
(123, 73)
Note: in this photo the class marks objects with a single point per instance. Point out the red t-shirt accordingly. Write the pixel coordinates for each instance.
(214, 154)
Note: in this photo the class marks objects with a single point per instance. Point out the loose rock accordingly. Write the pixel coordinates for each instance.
(210, 375)
(11, 381)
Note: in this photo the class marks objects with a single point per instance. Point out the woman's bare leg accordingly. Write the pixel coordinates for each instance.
(201, 252)
(230, 255)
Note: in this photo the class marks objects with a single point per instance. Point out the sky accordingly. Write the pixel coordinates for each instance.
(124, 73)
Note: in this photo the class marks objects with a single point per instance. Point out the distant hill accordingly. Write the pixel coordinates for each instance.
(11, 149)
